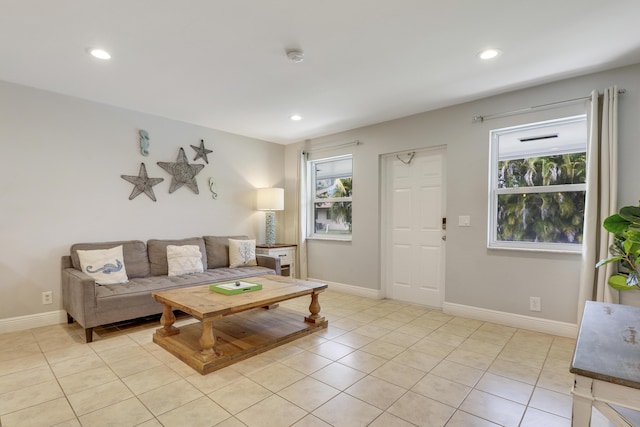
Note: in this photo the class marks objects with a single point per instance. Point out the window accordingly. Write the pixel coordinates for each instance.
(331, 182)
(538, 185)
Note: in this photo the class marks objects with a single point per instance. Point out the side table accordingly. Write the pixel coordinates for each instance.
(606, 363)
(287, 254)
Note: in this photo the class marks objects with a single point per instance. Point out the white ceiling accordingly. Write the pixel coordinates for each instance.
(222, 64)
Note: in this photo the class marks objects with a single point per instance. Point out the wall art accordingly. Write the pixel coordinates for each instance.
(144, 142)
(142, 183)
(212, 188)
(183, 173)
(201, 152)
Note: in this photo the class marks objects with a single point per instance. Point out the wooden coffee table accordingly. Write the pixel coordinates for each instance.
(206, 346)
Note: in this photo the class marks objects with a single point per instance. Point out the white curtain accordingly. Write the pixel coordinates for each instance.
(301, 228)
(601, 199)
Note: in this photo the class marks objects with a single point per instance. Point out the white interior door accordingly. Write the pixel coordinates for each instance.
(414, 235)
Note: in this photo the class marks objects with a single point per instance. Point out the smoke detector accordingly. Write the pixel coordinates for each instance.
(295, 55)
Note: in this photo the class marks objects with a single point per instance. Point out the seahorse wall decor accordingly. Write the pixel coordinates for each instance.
(212, 188)
(144, 142)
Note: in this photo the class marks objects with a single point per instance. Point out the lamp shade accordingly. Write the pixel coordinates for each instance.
(270, 199)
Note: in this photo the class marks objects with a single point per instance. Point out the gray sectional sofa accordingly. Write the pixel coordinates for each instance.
(91, 304)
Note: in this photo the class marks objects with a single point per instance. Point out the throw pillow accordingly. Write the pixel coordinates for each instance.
(242, 253)
(184, 259)
(105, 266)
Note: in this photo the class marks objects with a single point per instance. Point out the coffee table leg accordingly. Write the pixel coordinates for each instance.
(167, 320)
(314, 308)
(208, 340)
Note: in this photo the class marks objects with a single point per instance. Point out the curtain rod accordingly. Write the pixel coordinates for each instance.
(481, 119)
(346, 144)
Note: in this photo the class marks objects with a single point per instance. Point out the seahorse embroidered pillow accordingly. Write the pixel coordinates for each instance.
(106, 266)
(242, 253)
(185, 259)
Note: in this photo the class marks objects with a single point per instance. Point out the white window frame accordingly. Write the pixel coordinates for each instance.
(494, 191)
(311, 180)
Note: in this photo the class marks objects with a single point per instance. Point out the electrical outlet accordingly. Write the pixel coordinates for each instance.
(464, 221)
(47, 297)
(534, 304)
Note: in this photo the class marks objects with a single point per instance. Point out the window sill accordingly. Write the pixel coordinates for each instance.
(559, 250)
(340, 238)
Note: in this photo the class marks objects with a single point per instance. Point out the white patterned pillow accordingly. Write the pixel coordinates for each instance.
(105, 266)
(185, 259)
(242, 253)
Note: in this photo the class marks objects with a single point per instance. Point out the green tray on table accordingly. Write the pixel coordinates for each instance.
(235, 287)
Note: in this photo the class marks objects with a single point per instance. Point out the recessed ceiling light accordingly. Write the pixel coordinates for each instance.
(295, 117)
(489, 53)
(99, 53)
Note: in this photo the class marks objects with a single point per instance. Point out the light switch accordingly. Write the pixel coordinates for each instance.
(464, 221)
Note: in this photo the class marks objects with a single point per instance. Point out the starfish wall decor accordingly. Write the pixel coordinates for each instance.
(201, 152)
(183, 173)
(142, 182)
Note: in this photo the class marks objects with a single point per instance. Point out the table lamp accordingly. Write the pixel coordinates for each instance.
(270, 200)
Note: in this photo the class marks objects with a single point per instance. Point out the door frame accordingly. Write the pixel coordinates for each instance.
(384, 229)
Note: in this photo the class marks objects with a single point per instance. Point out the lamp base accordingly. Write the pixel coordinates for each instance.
(270, 228)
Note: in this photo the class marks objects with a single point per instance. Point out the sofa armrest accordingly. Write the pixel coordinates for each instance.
(269, 262)
(78, 295)
(65, 262)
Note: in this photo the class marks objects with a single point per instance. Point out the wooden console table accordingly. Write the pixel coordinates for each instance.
(606, 363)
(206, 346)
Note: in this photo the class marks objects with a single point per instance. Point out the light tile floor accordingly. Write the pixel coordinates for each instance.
(380, 363)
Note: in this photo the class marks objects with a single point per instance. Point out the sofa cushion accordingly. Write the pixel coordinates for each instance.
(138, 291)
(218, 250)
(242, 253)
(134, 253)
(185, 259)
(105, 266)
(158, 253)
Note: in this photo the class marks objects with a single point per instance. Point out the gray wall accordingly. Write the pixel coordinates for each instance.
(60, 184)
(492, 279)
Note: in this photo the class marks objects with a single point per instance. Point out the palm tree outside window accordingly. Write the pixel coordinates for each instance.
(538, 185)
(331, 191)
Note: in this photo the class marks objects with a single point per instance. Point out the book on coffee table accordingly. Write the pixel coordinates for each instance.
(233, 288)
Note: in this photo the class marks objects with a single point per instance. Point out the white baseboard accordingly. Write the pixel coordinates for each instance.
(546, 326)
(13, 324)
(536, 324)
(350, 289)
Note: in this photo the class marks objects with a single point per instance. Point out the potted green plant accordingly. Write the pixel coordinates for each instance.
(625, 226)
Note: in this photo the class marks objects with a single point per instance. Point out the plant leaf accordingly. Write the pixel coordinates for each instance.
(617, 248)
(608, 261)
(632, 278)
(630, 213)
(627, 246)
(616, 224)
(634, 252)
(619, 282)
(631, 248)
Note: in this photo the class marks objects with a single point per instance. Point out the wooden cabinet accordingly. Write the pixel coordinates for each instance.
(286, 253)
